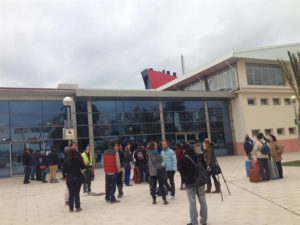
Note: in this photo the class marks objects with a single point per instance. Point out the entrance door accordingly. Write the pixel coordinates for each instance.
(17, 150)
(4, 160)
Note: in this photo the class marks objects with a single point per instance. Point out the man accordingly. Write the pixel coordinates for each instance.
(34, 164)
(112, 166)
(248, 146)
(120, 155)
(87, 159)
(187, 168)
(53, 163)
(27, 163)
(170, 163)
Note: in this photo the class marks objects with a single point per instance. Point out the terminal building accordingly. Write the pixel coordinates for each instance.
(241, 93)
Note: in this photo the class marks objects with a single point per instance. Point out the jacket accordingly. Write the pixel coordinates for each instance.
(155, 162)
(169, 159)
(179, 155)
(111, 162)
(53, 158)
(27, 160)
(139, 162)
(257, 149)
(43, 161)
(127, 160)
(276, 151)
(187, 168)
(248, 145)
(209, 156)
(73, 168)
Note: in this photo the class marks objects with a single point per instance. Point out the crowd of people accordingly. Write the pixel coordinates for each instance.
(154, 164)
(266, 151)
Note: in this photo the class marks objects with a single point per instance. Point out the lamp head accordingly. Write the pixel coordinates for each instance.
(68, 101)
(293, 98)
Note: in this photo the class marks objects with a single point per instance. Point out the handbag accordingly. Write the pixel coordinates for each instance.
(215, 168)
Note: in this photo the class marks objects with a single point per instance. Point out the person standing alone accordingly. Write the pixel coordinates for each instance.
(170, 163)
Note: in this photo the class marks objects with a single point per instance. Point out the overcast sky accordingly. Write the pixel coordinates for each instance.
(106, 44)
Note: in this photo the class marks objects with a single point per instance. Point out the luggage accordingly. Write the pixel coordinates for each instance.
(254, 175)
(136, 175)
(254, 164)
(273, 170)
(248, 166)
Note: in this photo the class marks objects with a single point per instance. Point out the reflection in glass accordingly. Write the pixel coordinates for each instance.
(4, 160)
(25, 107)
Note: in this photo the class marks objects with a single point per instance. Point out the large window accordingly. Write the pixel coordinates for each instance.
(261, 74)
(224, 80)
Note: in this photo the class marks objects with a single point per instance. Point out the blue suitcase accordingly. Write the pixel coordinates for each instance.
(248, 166)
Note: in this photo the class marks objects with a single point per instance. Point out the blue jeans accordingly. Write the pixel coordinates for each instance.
(127, 176)
(33, 169)
(27, 170)
(200, 193)
(143, 172)
(110, 187)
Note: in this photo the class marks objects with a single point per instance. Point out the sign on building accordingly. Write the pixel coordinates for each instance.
(68, 134)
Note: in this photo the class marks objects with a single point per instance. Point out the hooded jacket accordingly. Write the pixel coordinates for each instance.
(155, 162)
(169, 159)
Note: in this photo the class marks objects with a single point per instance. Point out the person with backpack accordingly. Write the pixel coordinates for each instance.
(155, 163)
(210, 162)
(248, 146)
(170, 163)
(140, 162)
(195, 177)
(261, 150)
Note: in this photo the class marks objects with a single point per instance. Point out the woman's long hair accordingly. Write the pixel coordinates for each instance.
(151, 145)
(72, 155)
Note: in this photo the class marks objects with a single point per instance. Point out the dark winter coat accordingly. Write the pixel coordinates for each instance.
(27, 160)
(127, 160)
(73, 168)
(53, 158)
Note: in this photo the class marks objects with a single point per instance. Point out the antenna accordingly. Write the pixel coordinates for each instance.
(182, 64)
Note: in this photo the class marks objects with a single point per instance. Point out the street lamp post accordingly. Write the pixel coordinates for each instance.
(293, 99)
(68, 101)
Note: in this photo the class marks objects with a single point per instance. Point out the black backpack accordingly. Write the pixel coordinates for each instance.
(265, 149)
(201, 175)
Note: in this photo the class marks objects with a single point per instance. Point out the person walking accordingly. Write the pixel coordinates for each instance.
(170, 163)
(120, 155)
(248, 146)
(179, 155)
(210, 161)
(262, 159)
(112, 165)
(127, 160)
(53, 163)
(27, 163)
(276, 151)
(87, 159)
(72, 171)
(155, 163)
(188, 170)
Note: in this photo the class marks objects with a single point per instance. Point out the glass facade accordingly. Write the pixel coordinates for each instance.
(39, 124)
(223, 80)
(261, 74)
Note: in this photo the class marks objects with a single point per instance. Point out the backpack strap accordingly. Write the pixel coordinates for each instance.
(191, 159)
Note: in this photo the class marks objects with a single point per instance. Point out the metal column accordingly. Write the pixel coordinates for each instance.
(207, 120)
(162, 121)
(91, 130)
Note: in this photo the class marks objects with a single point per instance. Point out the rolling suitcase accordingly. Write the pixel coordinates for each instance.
(136, 175)
(248, 166)
(273, 170)
(254, 164)
(254, 175)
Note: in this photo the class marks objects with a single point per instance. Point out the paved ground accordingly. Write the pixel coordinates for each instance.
(274, 202)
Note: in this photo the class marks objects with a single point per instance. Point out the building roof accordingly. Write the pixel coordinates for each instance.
(271, 53)
(154, 79)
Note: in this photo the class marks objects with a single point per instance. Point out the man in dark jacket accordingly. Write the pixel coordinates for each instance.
(248, 146)
(53, 160)
(187, 169)
(27, 163)
(140, 162)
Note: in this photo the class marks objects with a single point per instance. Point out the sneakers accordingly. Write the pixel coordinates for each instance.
(170, 197)
(85, 194)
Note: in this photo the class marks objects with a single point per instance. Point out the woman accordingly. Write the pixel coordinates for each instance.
(179, 155)
(262, 159)
(210, 161)
(276, 151)
(127, 160)
(72, 170)
(155, 162)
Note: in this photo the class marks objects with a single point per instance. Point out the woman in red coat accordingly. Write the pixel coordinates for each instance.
(179, 155)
